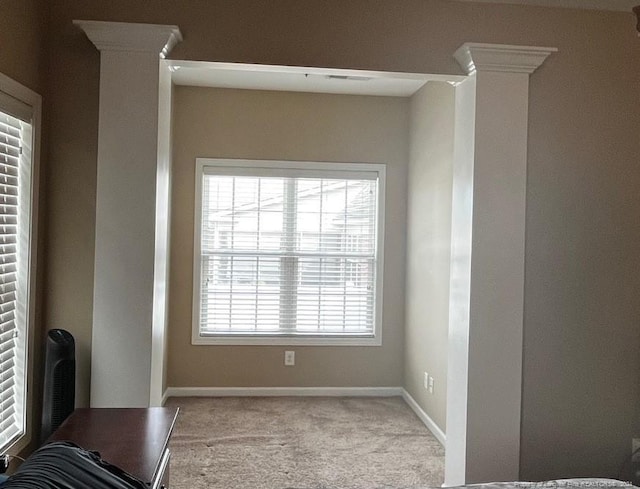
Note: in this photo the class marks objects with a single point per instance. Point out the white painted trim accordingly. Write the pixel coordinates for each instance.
(130, 263)
(251, 167)
(130, 37)
(488, 242)
(460, 282)
(300, 79)
(165, 396)
(20, 92)
(33, 100)
(425, 418)
(283, 391)
(162, 219)
(302, 70)
(473, 56)
(306, 340)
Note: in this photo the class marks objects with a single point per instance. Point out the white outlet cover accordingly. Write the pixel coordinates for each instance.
(289, 358)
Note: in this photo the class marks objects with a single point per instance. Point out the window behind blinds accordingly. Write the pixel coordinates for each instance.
(288, 253)
(15, 164)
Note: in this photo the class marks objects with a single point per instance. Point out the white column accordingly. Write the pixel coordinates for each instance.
(487, 268)
(129, 314)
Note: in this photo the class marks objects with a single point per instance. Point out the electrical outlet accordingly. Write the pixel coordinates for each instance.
(289, 358)
(426, 380)
(430, 388)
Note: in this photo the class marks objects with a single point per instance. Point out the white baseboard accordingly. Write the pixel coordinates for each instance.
(165, 396)
(425, 418)
(283, 391)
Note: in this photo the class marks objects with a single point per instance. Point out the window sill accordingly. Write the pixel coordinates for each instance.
(281, 340)
(16, 445)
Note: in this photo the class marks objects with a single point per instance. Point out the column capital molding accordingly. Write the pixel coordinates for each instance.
(130, 37)
(474, 57)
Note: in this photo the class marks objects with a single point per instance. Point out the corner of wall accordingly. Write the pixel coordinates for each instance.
(429, 248)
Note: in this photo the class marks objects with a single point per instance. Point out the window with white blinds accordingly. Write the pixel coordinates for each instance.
(15, 244)
(287, 250)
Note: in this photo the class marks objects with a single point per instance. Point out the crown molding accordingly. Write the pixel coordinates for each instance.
(610, 5)
(130, 37)
(474, 57)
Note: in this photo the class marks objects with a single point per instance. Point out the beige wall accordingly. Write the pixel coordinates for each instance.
(71, 190)
(429, 246)
(22, 33)
(222, 123)
(581, 370)
(581, 376)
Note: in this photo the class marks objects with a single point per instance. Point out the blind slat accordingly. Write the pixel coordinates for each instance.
(14, 136)
(288, 254)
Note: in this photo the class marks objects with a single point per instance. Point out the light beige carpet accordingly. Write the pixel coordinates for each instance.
(302, 443)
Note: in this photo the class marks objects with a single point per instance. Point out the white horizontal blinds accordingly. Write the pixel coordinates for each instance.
(12, 302)
(288, 255)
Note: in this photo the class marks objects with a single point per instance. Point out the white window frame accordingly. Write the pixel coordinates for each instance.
(11, 89)
(374, 339)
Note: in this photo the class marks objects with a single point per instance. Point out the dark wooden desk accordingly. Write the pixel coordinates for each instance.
(134, 439)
